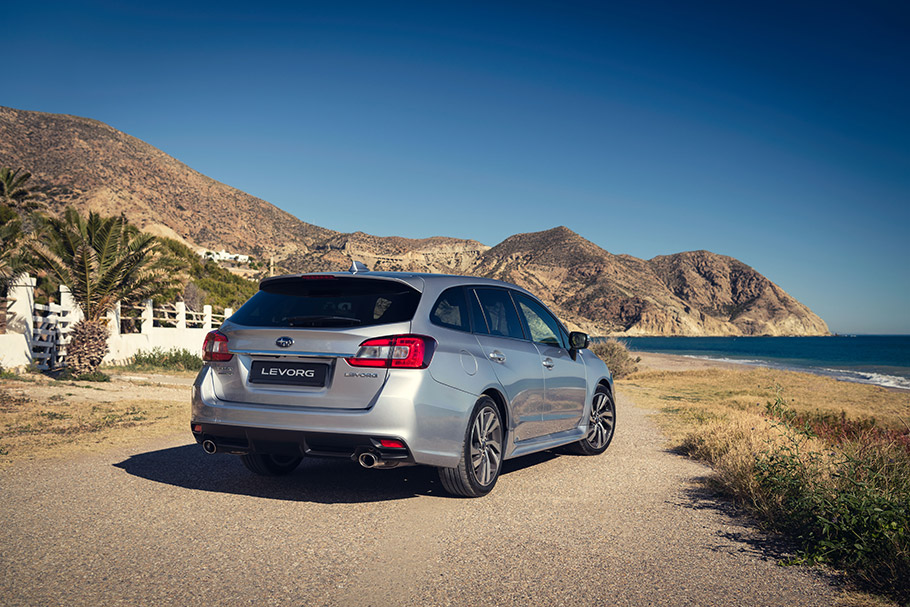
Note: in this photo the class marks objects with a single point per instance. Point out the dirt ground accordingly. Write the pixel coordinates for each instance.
(108, 499)
(41, 417)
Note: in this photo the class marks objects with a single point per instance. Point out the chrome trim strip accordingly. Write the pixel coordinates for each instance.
(286, 353)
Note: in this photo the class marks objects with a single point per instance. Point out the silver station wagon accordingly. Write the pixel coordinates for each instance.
(392, 369)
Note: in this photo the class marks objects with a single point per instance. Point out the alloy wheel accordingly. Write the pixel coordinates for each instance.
(486, 446)
(603, 418)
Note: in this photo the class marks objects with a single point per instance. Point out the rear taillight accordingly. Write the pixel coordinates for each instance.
(395, 352)
(215, 347)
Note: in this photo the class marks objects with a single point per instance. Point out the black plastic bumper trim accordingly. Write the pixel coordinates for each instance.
(243, 439)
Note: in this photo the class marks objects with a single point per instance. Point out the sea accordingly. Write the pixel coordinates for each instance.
(883, 360)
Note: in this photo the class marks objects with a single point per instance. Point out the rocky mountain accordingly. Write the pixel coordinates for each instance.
(87, 164)
(692, 293)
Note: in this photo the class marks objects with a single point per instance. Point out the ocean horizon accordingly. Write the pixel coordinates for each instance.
(882, 360)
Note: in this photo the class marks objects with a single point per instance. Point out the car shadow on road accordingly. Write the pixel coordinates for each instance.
(320, 480)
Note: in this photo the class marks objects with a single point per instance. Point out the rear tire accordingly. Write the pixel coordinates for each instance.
(481, 457)
(267, 464)
(602, 425)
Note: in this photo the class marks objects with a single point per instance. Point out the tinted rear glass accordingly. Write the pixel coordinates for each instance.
(498, 309)
(477, 319)
(328, 302)
(451, 310)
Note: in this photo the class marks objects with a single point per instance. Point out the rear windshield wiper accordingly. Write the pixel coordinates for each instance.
(321, 321)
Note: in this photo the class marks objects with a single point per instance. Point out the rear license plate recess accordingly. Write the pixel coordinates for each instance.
(288, 373)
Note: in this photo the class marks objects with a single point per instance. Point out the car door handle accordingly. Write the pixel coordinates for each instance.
(497, 356)
(548, 363)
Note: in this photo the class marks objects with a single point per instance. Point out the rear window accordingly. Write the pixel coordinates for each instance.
(328, 302)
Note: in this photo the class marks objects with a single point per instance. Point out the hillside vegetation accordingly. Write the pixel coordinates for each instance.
(87, 164)
(214, 285)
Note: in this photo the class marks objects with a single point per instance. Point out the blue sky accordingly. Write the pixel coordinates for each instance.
(776, 133)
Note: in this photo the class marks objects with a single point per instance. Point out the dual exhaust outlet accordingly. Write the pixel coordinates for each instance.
(366, 458)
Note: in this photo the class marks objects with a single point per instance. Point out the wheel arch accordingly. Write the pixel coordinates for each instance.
(500, 401)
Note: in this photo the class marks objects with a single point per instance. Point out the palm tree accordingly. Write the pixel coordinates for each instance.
(12, 186)
(10, 233)
(102, 260)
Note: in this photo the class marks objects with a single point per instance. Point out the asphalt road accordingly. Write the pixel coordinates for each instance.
(163, 523)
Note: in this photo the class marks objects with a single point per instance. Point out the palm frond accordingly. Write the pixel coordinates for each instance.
(43, 257)
(12, 185)
(10, 255)
(102, 260)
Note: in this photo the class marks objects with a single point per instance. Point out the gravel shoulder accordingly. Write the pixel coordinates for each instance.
(158, 521)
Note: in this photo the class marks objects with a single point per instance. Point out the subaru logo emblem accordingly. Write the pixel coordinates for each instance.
(284, 342)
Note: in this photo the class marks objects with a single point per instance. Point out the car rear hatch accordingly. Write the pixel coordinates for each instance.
(290, 341)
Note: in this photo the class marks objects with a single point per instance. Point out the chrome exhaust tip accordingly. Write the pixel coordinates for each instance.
(209, 446)
(374, 459)
(367, 459)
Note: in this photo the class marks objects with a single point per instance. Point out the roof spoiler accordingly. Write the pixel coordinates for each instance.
(358, 266)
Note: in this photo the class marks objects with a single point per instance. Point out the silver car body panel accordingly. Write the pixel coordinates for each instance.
(516, 365)
(544, 405)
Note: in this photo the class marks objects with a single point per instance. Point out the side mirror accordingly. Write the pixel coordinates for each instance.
(578, 340)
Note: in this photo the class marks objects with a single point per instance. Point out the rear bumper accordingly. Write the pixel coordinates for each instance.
(429, 417)
(240, 440)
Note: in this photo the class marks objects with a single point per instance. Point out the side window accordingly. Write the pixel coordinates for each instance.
(543, 326)
(499, 311)
(477, 319)
(451, 310)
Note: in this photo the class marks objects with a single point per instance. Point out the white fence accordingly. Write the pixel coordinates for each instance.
(137, 328)
(37, 333)
(51, 326)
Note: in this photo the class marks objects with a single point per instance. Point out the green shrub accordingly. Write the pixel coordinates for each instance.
(617, 356)
(67, 375)
(221, 288)
(175, 359)
(849, 508)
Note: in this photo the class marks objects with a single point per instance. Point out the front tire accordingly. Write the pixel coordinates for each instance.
(602, 425)
(267, 464)
(481, 458)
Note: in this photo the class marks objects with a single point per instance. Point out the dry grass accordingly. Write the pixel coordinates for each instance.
(825, 461)
(700, 395)
(44, 418)
(861, 599)
(719, 415)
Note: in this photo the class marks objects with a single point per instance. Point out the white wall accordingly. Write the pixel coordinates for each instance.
(17, 344)
(124, 346)
(15, 351)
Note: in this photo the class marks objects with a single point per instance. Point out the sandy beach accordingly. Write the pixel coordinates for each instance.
(653, 361)
(675, 362)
